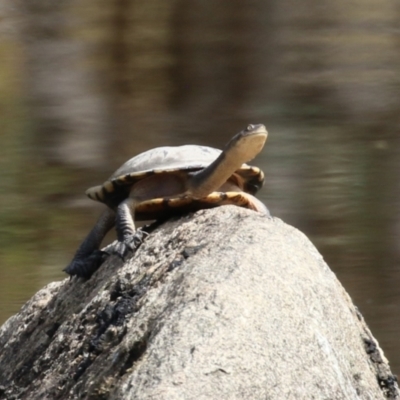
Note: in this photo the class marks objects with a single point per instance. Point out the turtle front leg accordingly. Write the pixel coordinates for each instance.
(128, 237)
(88, 257)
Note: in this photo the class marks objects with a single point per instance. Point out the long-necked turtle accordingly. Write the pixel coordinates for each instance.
(164, 180)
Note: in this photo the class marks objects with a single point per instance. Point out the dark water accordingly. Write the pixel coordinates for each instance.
(324, 80)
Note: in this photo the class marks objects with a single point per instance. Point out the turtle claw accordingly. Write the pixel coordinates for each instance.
(85, 267)
(121, 249)
(130, 244)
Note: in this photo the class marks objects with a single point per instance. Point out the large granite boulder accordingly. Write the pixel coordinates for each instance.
(221, 304)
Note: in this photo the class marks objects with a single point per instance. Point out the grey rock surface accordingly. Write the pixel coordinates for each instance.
(222, 304)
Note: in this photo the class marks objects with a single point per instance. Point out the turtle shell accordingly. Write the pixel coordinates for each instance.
(168, 160)
(166, 207)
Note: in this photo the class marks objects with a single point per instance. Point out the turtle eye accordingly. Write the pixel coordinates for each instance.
(250, 127)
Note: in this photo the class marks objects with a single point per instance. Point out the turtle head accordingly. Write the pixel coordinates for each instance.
(249, 142)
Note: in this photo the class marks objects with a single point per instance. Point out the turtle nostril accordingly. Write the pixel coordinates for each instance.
(250, 127)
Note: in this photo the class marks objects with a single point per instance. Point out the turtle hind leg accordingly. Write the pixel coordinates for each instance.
(88, 257)
(128, 237)
(84, 268)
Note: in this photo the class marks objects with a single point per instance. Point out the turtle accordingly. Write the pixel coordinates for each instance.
(171, 180)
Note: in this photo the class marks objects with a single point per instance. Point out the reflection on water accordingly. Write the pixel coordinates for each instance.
(323, 79)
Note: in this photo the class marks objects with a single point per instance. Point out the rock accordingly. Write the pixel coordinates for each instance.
(222, 304)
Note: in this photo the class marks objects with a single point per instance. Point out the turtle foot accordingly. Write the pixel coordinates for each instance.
(130, 244)
(85, 267)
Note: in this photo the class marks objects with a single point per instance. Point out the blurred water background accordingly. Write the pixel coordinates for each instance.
(85, 85)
